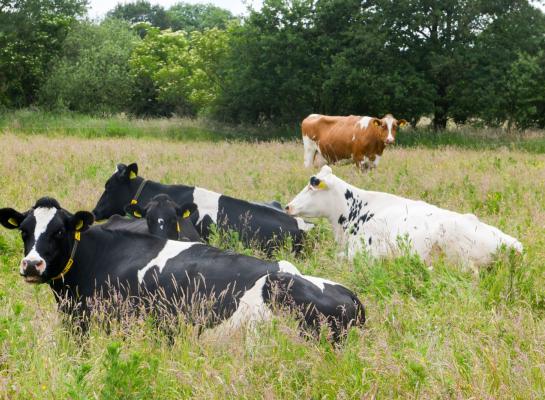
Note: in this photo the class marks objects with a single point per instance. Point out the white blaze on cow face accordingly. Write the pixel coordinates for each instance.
(161, 223)
(43, 217)
(315, 201)
(390, 126)
(172, 249)
(207, 203)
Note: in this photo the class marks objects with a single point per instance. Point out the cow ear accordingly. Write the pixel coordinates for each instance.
(81, 221)
(402, 123)
(376, 123)
(128, 171)
(10, 218)
(188, 210)
(132, 170)
(135, 210)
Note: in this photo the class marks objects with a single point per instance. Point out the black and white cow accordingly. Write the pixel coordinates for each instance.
(263, 225)
(376, 222)
(81, 262)
(166, 219)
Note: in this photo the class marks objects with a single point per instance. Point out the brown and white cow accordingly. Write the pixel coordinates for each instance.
(328, 139)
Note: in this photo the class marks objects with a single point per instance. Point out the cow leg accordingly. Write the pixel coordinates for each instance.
(319, 160)
(309, 152)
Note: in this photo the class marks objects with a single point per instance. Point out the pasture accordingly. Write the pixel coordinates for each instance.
(441, 333)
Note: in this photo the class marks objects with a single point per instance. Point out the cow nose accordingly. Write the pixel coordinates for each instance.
(288, 209)
(32, 266)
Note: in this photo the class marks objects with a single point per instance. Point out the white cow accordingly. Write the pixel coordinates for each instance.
(380, 222)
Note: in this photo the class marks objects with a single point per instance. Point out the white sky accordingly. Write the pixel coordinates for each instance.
(98, 8)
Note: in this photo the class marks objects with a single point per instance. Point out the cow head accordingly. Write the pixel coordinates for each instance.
(168, 220)
(316, 198)
(48, 235)
(388, 127)
(118, 191)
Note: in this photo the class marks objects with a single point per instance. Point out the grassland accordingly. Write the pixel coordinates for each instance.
(444, 333)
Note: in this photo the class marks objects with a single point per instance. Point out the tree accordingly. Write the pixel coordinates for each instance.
(438, 38)
(162, 67)
(93, 75)
(31, 35)
(198, 17)
(141, 11)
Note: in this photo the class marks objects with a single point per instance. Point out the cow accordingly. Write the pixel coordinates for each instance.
(165, 218)
(84, 263)
(259, 224)
(328, 139)
(382, 223)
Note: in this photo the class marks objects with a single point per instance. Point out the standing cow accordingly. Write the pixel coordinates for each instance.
(375, 221)
(328, 139)
(259, 224)
(82, 263)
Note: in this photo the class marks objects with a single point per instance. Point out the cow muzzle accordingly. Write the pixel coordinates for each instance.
(32, 270)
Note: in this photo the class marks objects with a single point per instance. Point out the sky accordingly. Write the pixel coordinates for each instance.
(98, 8)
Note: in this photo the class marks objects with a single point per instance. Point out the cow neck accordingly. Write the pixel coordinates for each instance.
(147, 189)
(70, 262)
(138, 191)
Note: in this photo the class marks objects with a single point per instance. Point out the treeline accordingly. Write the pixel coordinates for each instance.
(480, 62)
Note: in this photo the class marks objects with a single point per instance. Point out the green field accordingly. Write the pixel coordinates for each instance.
(441, 333)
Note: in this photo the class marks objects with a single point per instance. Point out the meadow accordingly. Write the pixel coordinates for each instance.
(440, 333)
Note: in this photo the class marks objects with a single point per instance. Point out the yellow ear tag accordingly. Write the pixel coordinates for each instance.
(132, 175)
(133, 201)
(322, 185)
(178, 227)
(13, 222)
(137, 214)
(79, 225)
(186, 214)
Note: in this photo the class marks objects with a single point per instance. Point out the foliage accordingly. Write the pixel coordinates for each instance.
(92, 75)
(31, 36)
(198, 17)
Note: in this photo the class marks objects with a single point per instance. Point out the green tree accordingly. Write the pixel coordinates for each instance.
(141, 11)
(93, 75)
(271, 72)
(162, 67)
(31, 36)
(198, 17)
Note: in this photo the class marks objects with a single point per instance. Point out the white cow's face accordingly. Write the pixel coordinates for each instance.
(317, 199)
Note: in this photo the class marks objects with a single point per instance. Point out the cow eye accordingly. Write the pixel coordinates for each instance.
(314, 181)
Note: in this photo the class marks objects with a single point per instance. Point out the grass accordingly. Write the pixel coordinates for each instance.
(444, 333)
(33, 122)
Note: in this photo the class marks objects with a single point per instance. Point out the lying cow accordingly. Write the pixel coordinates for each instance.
(166, 219)
(328, 139)
(261, 224)
(375, 221)
(82, 262)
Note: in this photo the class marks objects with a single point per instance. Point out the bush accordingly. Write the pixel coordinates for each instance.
(92, 75)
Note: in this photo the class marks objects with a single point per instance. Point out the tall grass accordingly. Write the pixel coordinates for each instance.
(440, 333)
(32, 122)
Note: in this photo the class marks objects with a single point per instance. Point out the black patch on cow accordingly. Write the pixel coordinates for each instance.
(370, 240)
(357, 216)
